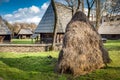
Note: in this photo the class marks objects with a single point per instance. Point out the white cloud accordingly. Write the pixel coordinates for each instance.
(35, 19)
(8, 15)
(35, 9)
(31, 14)
(44, 6)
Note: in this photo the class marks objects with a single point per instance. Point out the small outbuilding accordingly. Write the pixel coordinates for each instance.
(110, 30)
(25, 33)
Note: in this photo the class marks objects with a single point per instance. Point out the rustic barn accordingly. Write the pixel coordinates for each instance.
(5, 33)
(25, 33)
(110, 30)
(46, 25)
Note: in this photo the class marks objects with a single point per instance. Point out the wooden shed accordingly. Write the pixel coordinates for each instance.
(25, 33)
(110, 30)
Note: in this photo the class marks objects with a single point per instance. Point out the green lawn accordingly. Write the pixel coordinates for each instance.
(23, 41)
(37, 66)
(113, 45)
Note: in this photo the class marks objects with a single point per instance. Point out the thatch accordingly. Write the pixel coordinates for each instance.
(5, 33)
(112, 27)
(4, 30)
(82, 50)
(25, 32)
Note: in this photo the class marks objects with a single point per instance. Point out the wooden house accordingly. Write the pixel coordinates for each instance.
(110, 30)
(110, 27)
(25, 33)
(46, 26)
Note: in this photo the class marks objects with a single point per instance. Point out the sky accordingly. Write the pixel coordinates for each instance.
(30, 11)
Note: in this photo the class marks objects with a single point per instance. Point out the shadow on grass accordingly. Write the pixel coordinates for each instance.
(38, 64)
(114, 68)
(113, 48)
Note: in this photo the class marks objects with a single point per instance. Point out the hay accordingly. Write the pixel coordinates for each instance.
(82, 50)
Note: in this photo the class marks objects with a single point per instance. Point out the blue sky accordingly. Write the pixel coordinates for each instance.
(29, 11)
(8, 6)
(23, 10)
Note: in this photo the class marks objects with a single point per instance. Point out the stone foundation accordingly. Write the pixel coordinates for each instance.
(26, 47)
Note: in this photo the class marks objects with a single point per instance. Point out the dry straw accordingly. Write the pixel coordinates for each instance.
(82, 50)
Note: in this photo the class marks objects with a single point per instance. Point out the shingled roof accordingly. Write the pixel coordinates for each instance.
(46, 24)
(112, 27)
(4, 30)
(25, 31)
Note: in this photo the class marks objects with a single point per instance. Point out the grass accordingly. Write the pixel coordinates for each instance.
(23, 41)
(113, 45)
(38, 66)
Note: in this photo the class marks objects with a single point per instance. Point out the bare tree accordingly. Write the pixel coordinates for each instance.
(97, 13)
(74, 4)
(90, 4)
(108, 8)
(70, 4)
(78, 6)
(115, 7)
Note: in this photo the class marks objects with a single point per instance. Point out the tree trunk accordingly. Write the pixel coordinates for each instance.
(97, 14)
(90, 5)
(55, 24)
(78, 6)
(88, 13)
(72, 11)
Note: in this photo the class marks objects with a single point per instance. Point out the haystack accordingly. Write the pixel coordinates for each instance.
(82, 50)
